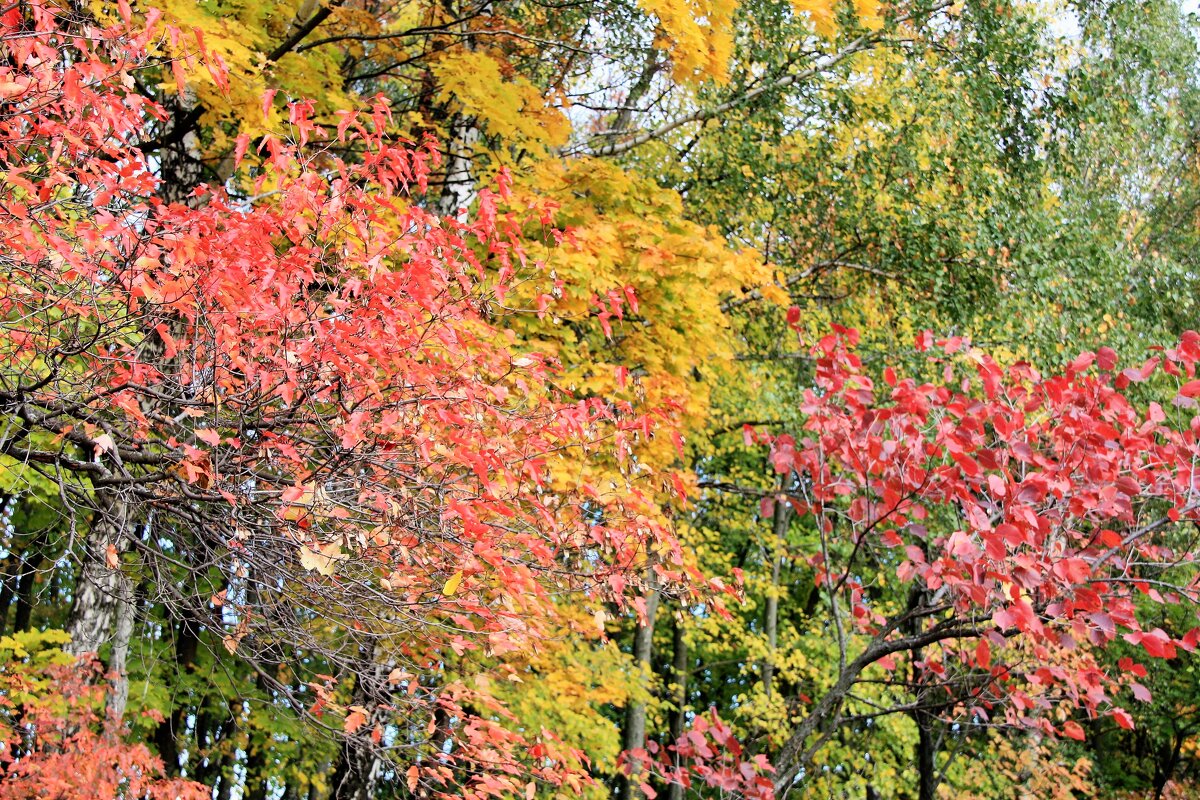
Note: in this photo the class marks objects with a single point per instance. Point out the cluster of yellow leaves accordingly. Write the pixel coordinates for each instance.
(239, 34)
(1023, 769)
(625, 237)
(697, 34)
(823, 14)
(562, 685)
(24, 657)
(507, 104)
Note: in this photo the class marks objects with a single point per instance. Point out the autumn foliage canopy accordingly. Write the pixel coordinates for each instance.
(308, 425)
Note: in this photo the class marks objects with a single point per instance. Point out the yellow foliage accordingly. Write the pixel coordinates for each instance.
(509, 106)
(823, 14)
(625, 236)
(238, 35)
(1033, 768)
(697, 34)
(564, 683)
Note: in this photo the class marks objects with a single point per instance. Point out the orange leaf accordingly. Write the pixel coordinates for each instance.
(355, 719)
(413, 775)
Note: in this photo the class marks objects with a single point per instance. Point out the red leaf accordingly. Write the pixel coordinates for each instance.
(983, 654)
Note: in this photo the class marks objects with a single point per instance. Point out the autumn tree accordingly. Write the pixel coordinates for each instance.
(378, 377)
(290, 426)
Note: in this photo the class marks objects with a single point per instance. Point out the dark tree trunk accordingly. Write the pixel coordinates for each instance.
(779, 526)
(1165, 768)
(225, 767)
(9, 576)
(927, 774)
(634, 734)
(30, 564)
(166, 737)
(679, 678)
(354, 775)
(927, 740)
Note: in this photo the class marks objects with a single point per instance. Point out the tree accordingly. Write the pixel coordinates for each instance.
(292, 424)
(1022, 515)
(57, 740)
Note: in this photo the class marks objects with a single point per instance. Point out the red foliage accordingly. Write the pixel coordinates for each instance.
(1034, 514)
(311, 381)
(707, 754)
(62, 747)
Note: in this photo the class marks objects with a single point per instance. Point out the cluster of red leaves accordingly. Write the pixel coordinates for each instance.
(1035, 513)
(59, 745)
(707, 754)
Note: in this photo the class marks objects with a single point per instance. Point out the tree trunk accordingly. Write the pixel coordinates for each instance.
(458, 191)
(1165, 769)
(100, 586)
(358, 768)
(356, 772)
(226, 767)
(634, 736)
(103, 607)
(31, 562)
(166, 736)
(118, 694)
(624, 117)
(927, 777)
(9, 576)
(927, 744)
(779, 526)
(679, 678)
(180, 164)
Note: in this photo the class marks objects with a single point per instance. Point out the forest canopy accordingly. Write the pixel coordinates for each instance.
(538, 399)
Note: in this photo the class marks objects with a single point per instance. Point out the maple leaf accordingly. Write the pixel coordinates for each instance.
(355, 719)
(323, 559)
(1072, 729)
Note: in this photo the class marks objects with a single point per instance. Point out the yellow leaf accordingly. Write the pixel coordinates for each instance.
(821, 13)
(323, 560)
(510, 107)
(452, 585)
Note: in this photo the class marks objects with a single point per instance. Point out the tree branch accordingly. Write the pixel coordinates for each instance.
(864, 42)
